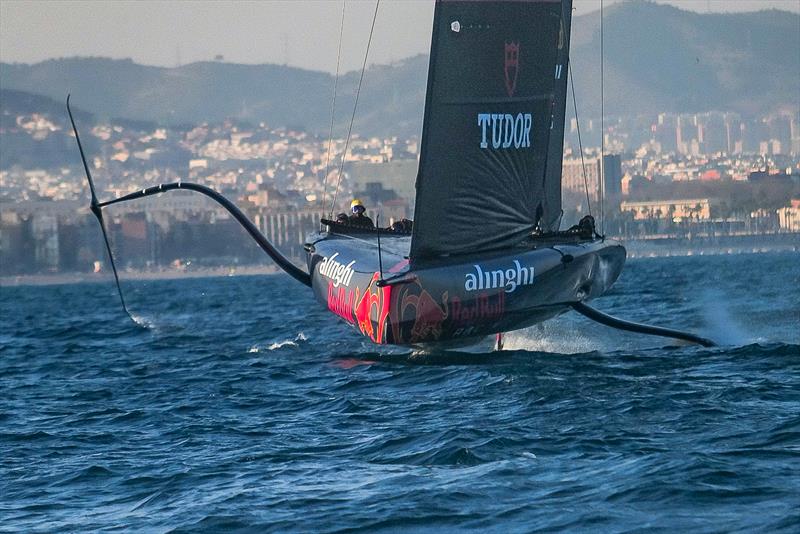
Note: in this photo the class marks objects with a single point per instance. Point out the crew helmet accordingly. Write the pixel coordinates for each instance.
(356, 206)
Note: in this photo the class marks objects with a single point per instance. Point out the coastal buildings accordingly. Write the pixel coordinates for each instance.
(789, 216)
(676, 210)
(280, 178)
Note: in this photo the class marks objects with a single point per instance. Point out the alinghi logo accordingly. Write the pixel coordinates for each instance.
(335, 271)
(509, 279)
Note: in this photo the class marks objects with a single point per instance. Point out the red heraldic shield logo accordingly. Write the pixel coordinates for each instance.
(511, 67)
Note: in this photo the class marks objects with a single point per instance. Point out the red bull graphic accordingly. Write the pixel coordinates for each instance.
(416, 316)
(341, 301)
(374, 303)
(484, 307)
(430, 316)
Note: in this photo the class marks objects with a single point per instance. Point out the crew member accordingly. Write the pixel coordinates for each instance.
(357, 218)
(402, 226)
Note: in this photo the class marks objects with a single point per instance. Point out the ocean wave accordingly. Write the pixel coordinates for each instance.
(247, 418)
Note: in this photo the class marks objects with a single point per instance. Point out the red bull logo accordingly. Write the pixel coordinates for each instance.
(341, 301)
(374, 303)
(430, 316)
(416, 315)
(485, 307)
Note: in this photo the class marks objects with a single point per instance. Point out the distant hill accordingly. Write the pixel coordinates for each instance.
(213, 91)
(657, 58)
(660, 58)
(18, 148)
(14, 103)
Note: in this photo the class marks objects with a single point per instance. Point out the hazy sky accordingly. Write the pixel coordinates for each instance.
(302, 33)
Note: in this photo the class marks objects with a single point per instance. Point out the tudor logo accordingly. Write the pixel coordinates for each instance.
(505, 130)
(509, 279)
(511, 67)
(335, 271)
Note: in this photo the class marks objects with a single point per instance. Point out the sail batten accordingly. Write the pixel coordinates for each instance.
(490, 159)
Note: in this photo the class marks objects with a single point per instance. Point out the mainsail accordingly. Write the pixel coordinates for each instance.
(492, 141)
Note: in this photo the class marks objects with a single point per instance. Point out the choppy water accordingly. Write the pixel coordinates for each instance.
(245, 406)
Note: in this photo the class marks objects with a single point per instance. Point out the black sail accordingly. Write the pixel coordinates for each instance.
(490, 160)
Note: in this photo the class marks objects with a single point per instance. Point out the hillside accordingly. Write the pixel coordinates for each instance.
(657, 58)
(19, 148)
(660, 58)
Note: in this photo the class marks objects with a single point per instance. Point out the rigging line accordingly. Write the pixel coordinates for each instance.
(378, 236)
(580, 143)
(602, 130)
(333, 109)
(355, 106)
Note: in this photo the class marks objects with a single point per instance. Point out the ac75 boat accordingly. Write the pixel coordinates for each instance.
(485, 255)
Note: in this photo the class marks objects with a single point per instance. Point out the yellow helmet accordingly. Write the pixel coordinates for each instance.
(356, 202)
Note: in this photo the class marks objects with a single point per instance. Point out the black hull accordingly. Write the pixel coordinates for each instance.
(468, 296)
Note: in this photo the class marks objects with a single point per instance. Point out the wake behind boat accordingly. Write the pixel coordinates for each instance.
(486, 254)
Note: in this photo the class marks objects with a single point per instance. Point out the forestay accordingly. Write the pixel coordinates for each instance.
(490, 163)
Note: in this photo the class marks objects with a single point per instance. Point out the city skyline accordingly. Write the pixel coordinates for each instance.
(175, 33)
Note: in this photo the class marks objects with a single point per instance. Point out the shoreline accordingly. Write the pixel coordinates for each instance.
(636, 250)
(649, 251)
(671, 246)
(53, 279)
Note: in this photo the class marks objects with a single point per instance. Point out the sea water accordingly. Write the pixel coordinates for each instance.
(241, 404)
